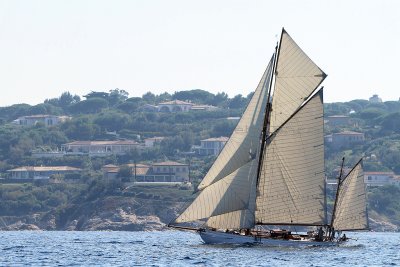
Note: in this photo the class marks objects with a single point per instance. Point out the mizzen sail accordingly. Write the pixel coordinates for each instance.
(351, 213)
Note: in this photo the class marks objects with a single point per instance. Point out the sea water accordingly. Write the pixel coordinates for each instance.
(177, 248)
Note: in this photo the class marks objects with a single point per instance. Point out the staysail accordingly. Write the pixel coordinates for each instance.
(245, 139)
(296, 77)
(228, 191)
(291, 183)
(228, 198)
(351, 213)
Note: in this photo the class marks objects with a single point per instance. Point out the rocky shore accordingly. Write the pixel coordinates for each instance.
(111, 213)
(122, 214)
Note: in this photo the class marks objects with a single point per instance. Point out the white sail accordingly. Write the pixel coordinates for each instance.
(239, 219)
(351, 213)
(297, 76)
(235, 192)
(245, 139)
(291, 183)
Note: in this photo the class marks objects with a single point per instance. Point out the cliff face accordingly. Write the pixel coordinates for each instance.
(109, 213)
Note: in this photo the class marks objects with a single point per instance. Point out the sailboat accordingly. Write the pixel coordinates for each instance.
(271, 173)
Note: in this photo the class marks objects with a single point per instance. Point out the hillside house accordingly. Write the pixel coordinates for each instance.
(203, 108)
(47, 120)
(175, 106)
(41, 172)
(380, 178)
(164, 172)
(210, 146)
(100, 148)
(344, 139)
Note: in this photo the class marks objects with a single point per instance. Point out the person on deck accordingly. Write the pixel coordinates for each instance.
(320, 236)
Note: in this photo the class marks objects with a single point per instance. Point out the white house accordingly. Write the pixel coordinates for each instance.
(100, 148)
(41, 172)
(344, 139)
(164, 172)
(380, 178)
(177, 106)
(47, 120)
(210, 146)
(174, 106)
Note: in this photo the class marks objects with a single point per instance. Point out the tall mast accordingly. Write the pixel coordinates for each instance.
(337, 193)
(266, 117)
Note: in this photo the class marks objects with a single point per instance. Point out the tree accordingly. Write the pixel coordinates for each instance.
(66, 99)
(149, 98)
(237, 102)
(220, 99)
(224, 128)
(370, 114)
(125, 173)
(163, 97)
(90, 105)
(195, 96)
(117, 96)
(391, 122)
(112, 120)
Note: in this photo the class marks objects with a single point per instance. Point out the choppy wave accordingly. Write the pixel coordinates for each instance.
(175, 248)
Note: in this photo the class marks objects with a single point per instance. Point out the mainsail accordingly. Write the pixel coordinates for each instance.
(351, 213)
(291, 183)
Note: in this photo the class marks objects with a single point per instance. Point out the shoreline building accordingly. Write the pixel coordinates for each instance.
(210, 146)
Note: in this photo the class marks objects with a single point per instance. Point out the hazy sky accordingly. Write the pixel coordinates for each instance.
(49, 47)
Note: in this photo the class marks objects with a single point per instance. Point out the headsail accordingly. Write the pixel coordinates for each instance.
(296, 77)
(231, 198)
(351, 213)
(228, 193)
(291, 183)
(245, 139)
